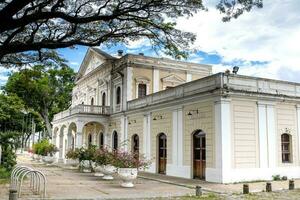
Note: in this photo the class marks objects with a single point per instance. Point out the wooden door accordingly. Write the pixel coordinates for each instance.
(199, 155)
(162, 153)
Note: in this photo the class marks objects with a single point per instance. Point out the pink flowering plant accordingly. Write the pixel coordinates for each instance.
(124, 159)
(103, 156)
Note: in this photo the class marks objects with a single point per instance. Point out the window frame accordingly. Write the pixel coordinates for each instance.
(286, 148)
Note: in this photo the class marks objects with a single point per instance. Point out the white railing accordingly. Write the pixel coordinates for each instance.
(187, 89)
(83, 109)
(231, 82)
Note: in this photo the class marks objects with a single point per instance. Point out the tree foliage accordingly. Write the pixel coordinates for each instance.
(27, 27)
(45, 90)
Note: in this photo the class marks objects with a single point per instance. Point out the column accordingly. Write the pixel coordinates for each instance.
(129, 83)
(123, 133)
(223, 144)
(174, 137)
(177, 168)
(155, 80)
(79, 135)
(271, 132)
(147, 141)
(298, 128)
(263, 138)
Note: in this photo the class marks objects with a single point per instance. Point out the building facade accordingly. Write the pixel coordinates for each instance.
(191, 123)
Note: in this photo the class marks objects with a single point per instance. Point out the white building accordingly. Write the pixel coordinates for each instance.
(192, 123)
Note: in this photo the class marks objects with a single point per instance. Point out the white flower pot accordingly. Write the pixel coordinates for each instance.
(108, 171)
(97, 170)
(128, 175)
(73, 163)
(86, 166)
(39, 158)
(48, 160)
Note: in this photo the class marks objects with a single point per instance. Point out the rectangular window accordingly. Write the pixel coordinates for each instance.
(286, 148)
(142, 90)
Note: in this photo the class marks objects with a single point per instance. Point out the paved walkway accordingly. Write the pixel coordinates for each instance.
(218, 188)
(71, 184)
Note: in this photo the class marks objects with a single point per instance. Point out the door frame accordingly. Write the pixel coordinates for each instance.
(202, 133)
(157, 153)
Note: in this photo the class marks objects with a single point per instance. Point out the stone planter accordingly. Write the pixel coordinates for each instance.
(39, 158)
(49, 160)
(108, 171)
(128, 175)
(34, 157)
(97, 170)
(73, 163)
(86, 166)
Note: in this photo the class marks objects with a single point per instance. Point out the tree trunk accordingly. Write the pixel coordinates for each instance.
(47, 122)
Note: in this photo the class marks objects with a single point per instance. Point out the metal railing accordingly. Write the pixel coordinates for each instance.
(37, 180)
(83, 109)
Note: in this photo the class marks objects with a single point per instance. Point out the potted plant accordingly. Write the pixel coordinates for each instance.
(128, 165)
(85, 156)
(104, 159)
(48, 151)
(37, 148)
(73, 158)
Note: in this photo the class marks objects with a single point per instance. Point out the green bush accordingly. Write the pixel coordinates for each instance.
(44, 148)
(82, 153)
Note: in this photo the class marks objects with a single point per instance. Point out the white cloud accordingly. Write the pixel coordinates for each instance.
(270, 34)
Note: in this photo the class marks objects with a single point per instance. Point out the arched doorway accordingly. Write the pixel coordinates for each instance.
(199, 154)
(135, 145)
(162, 153)
(92, 101)
(101, 140)
(115, 140)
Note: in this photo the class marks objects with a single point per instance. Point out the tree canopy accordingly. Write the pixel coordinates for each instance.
(46, 90)
(28, 27)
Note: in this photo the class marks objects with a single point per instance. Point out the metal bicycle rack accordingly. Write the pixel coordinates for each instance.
(37, 180)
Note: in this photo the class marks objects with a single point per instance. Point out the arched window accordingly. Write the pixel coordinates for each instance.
(135, 145)
(101, 140)
(118, 94)
(142, 90)
(115, 140)
(82, 103)
(286, 141)
(90, 140)
(103, 99)
(92, 101)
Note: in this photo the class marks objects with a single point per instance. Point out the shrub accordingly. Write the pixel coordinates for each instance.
(8, 142)
(44, 148)
(82, 153)
(8, 158)
(72, 154)
(103, 157)
(276, 177)
(4, 173)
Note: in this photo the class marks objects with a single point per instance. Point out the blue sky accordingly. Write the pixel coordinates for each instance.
(262, 43)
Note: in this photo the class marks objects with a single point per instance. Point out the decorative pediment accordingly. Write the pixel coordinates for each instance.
(93, 59)
(173, 79)
(142, 79)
